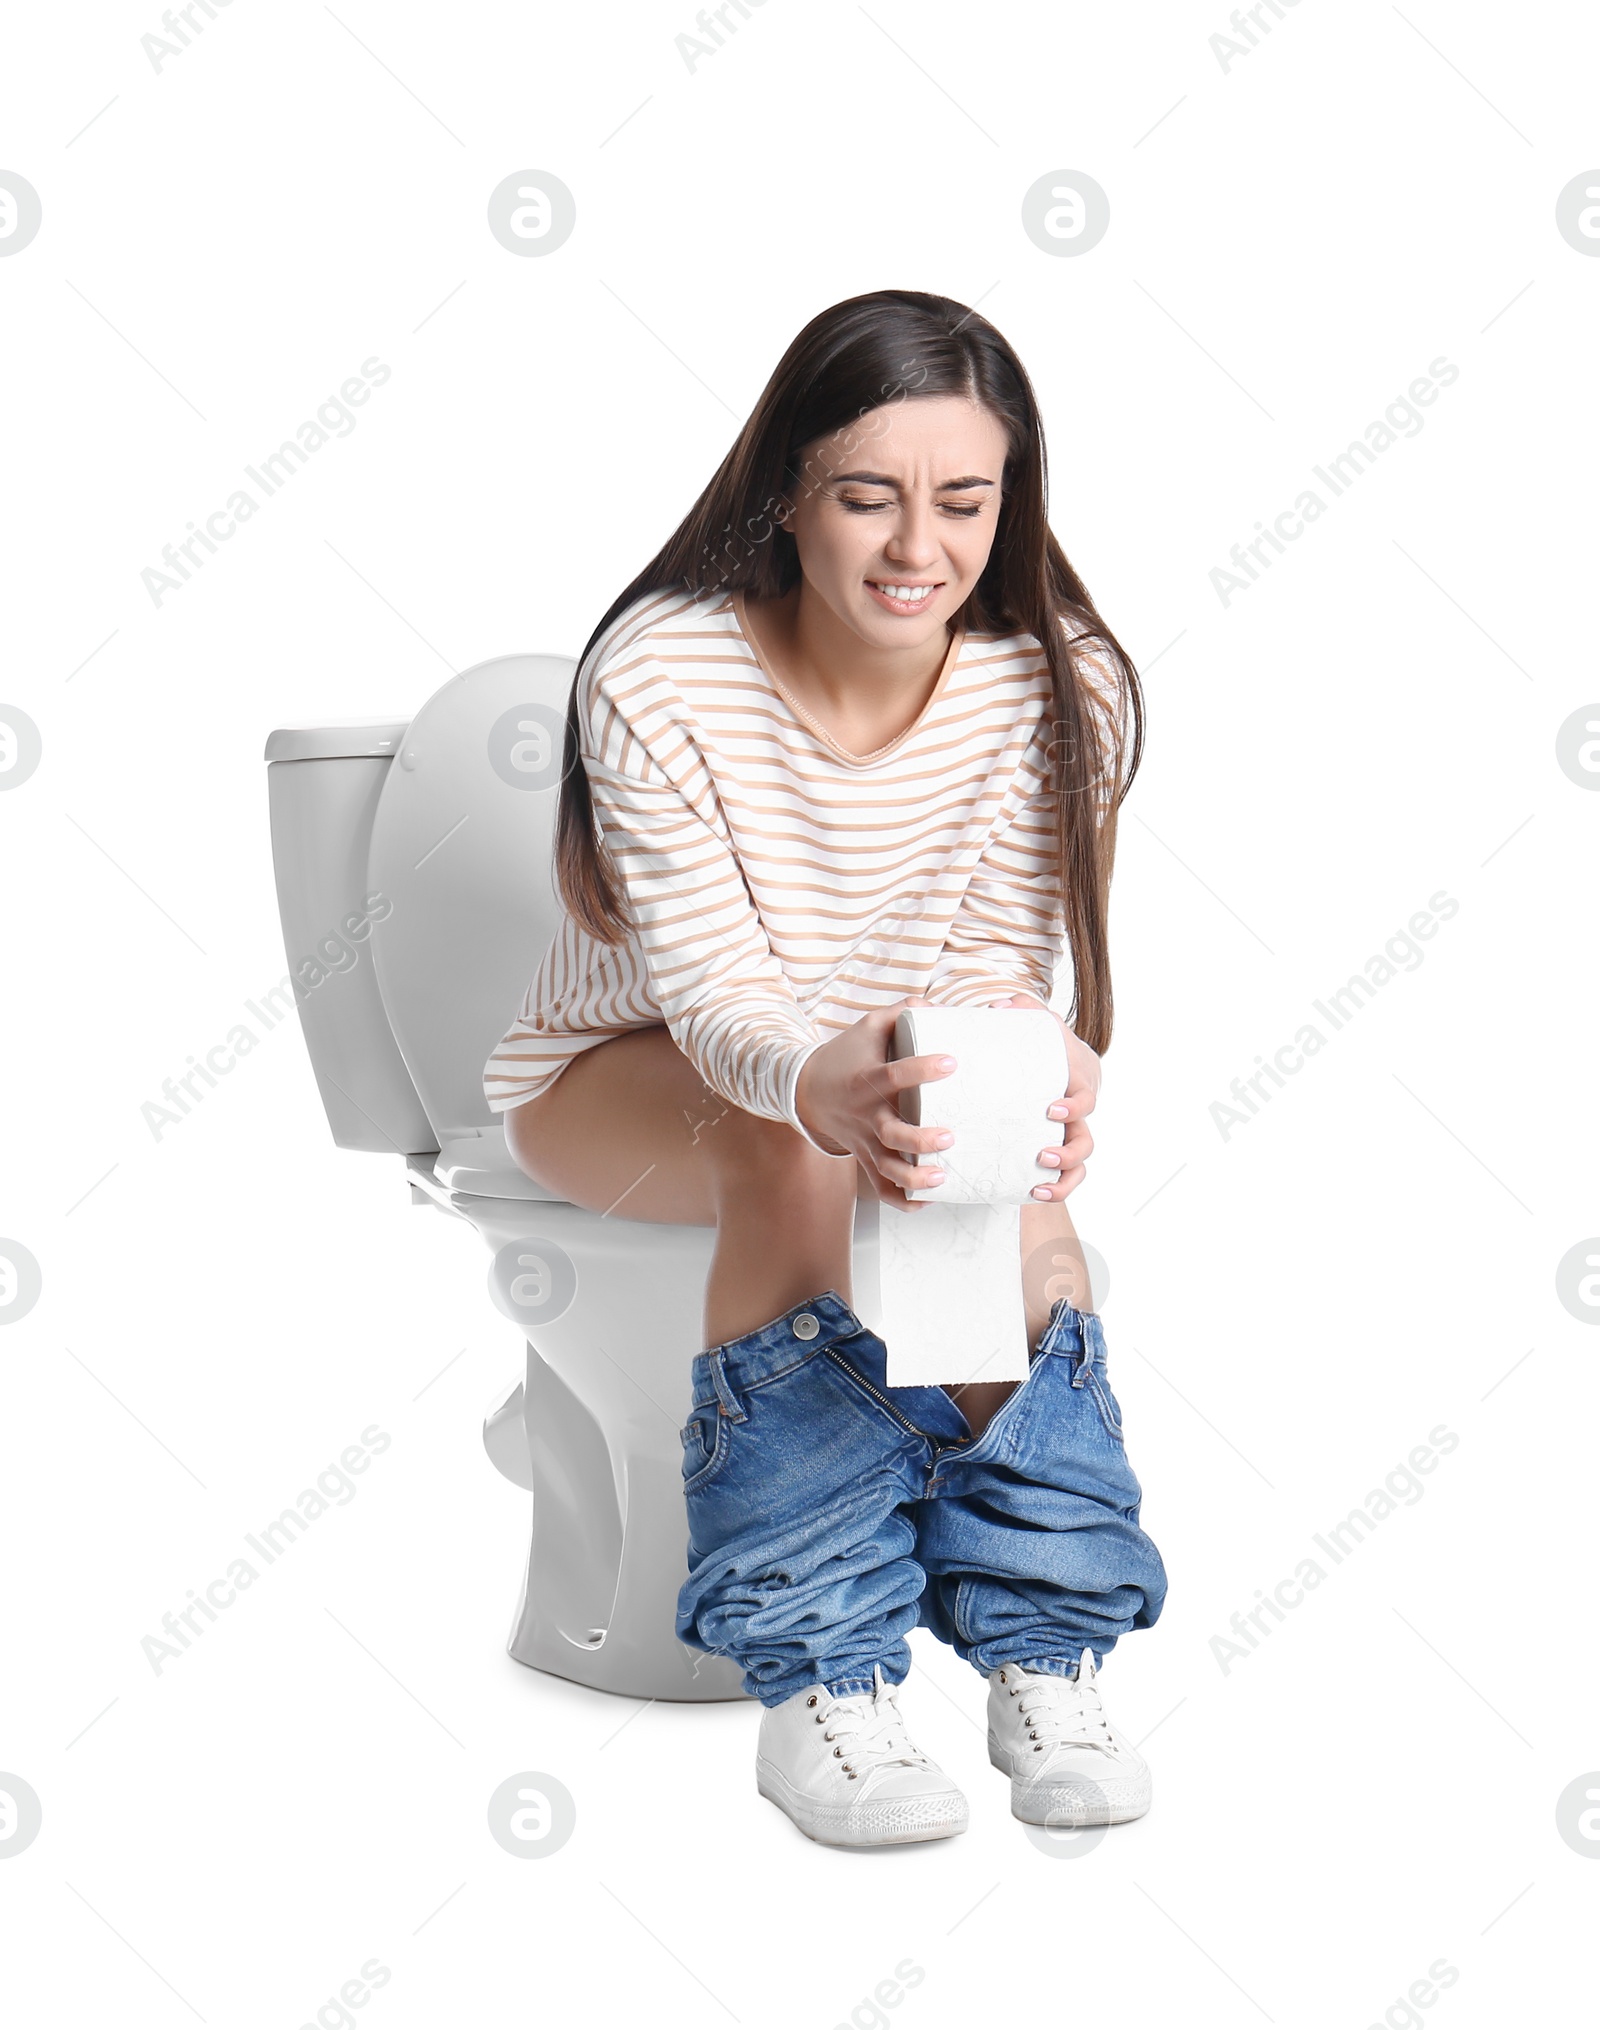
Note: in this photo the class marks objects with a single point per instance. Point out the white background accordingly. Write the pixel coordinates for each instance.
(1291, 1309)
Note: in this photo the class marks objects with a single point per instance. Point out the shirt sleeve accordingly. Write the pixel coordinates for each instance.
(1009, 930)
(724, 997)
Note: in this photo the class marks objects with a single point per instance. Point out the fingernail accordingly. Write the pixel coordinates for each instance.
(943, 1141)
(1041, 1191)
(1050, 1156)
(947, 1064)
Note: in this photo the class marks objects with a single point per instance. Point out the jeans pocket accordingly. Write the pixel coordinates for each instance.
(705, 1447)
(1110, 1409)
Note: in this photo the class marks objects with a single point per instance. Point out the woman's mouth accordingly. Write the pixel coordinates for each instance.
(895, 596)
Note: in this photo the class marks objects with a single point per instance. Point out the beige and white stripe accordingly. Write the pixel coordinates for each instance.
(781, 886)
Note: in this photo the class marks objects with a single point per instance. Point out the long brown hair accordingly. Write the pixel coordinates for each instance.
(852, 358)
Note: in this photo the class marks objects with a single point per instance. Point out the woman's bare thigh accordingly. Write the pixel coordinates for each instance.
(631, 1127)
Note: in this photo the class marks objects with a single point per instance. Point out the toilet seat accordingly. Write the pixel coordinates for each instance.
(479, 1165)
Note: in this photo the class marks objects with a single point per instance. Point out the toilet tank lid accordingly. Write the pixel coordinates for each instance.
(331, 742)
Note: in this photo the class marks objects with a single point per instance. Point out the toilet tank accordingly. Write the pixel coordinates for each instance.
(323, 785)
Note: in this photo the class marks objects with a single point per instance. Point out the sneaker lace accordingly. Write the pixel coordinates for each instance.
(1065, 1712)
(869, 1730)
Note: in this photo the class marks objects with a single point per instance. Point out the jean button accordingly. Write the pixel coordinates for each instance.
(806, 1327)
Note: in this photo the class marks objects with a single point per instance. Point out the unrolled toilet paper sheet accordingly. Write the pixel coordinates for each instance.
(949, 1297)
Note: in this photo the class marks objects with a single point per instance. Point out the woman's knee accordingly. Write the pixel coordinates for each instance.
(749, 1152)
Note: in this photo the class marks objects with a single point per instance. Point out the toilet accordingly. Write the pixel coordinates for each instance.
(414, 867)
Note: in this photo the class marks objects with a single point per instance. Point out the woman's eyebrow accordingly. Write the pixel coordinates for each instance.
(882, 479)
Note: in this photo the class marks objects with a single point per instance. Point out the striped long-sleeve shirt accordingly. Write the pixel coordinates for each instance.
(780, 885)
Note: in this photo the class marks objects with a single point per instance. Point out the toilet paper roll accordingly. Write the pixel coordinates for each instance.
(949, 1297)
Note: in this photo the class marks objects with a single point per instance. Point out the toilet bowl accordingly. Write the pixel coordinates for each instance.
(414, 872)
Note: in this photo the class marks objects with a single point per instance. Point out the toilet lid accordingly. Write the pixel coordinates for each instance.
(462, 843)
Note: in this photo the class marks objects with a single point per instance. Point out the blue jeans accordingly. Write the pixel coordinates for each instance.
(829, 1514)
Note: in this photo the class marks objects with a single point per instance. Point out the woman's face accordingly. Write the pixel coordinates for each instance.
(907, 498)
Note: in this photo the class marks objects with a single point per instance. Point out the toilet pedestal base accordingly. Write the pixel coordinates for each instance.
(599, 1592)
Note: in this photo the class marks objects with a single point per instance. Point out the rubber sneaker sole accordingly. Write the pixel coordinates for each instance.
(1066, 1801)
(887, 1822)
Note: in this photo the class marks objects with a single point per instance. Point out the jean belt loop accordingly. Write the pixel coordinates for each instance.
(1082, 1353)
(726, 1399)
(1094, 1336)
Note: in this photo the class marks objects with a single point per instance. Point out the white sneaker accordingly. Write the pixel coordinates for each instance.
(1051, 1737)
(848, 1774)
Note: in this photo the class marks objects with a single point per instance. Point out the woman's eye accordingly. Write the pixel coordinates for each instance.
(872, 507)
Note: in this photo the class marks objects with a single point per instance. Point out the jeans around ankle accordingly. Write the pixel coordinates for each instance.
(829, 1514)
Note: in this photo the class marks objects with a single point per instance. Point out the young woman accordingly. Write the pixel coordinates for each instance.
(854, 740)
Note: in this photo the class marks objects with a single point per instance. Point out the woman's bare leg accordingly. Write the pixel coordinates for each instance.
(631, 1129)
(1053, 1266)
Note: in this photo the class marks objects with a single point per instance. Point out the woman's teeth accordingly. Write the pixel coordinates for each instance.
(904, 595)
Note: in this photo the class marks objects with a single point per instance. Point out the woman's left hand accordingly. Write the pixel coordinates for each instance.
(1070, 1156)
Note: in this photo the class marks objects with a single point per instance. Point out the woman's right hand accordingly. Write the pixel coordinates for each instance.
(846, 1095)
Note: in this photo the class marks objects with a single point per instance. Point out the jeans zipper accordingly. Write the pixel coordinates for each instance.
(939, 1445)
